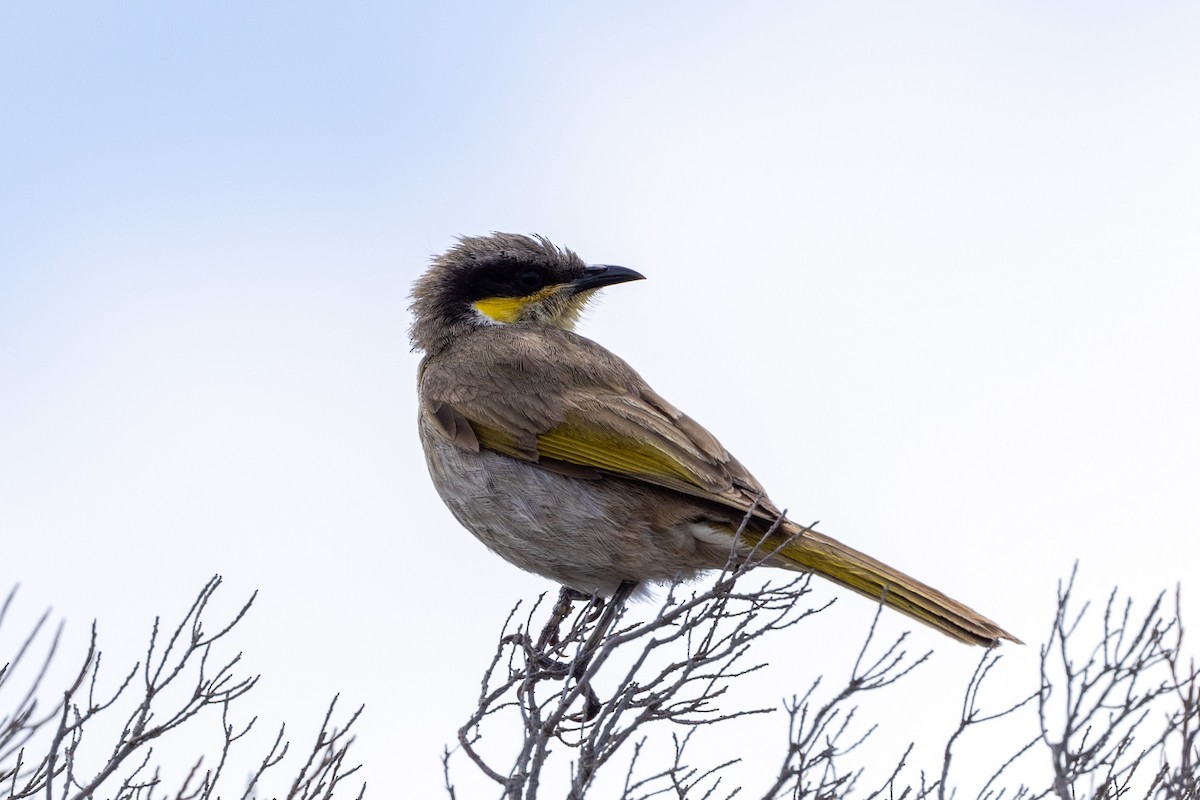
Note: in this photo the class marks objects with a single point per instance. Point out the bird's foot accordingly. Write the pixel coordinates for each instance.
(549, 638)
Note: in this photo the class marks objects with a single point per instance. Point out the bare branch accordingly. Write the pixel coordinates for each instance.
(181, 677)
(1093, 711)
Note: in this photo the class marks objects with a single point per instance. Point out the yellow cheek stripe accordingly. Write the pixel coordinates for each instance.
(501, 309)
(508, 310)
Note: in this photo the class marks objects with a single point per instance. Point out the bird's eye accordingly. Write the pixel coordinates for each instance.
(529, 279)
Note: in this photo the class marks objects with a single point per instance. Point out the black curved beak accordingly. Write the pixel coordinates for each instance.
(597, 275)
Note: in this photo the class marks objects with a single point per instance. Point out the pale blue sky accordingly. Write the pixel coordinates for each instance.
(930, 270)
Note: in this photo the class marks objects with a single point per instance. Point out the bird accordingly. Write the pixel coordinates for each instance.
(560, 458)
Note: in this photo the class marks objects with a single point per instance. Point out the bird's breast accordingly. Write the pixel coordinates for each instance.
(591, 535)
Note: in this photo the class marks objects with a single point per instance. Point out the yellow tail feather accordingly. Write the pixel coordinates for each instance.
(811, 551)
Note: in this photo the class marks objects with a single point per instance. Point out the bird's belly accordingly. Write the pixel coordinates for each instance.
(590, 535)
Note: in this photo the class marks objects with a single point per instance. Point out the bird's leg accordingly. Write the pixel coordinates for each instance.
(562, 607)
(611, 610)
(549, 638)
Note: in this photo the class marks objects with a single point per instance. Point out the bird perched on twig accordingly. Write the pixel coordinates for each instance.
(559, 457)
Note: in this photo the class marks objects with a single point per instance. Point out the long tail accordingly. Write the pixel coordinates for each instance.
(811, 551)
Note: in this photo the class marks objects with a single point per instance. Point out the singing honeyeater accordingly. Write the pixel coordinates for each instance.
(559, 457)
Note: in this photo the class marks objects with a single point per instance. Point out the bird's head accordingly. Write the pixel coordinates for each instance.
(504, 279)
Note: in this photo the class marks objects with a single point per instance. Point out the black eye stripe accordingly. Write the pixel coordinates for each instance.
(507, 279)
(530, 278)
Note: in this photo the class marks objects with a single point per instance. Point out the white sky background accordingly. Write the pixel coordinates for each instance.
(931, 271)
